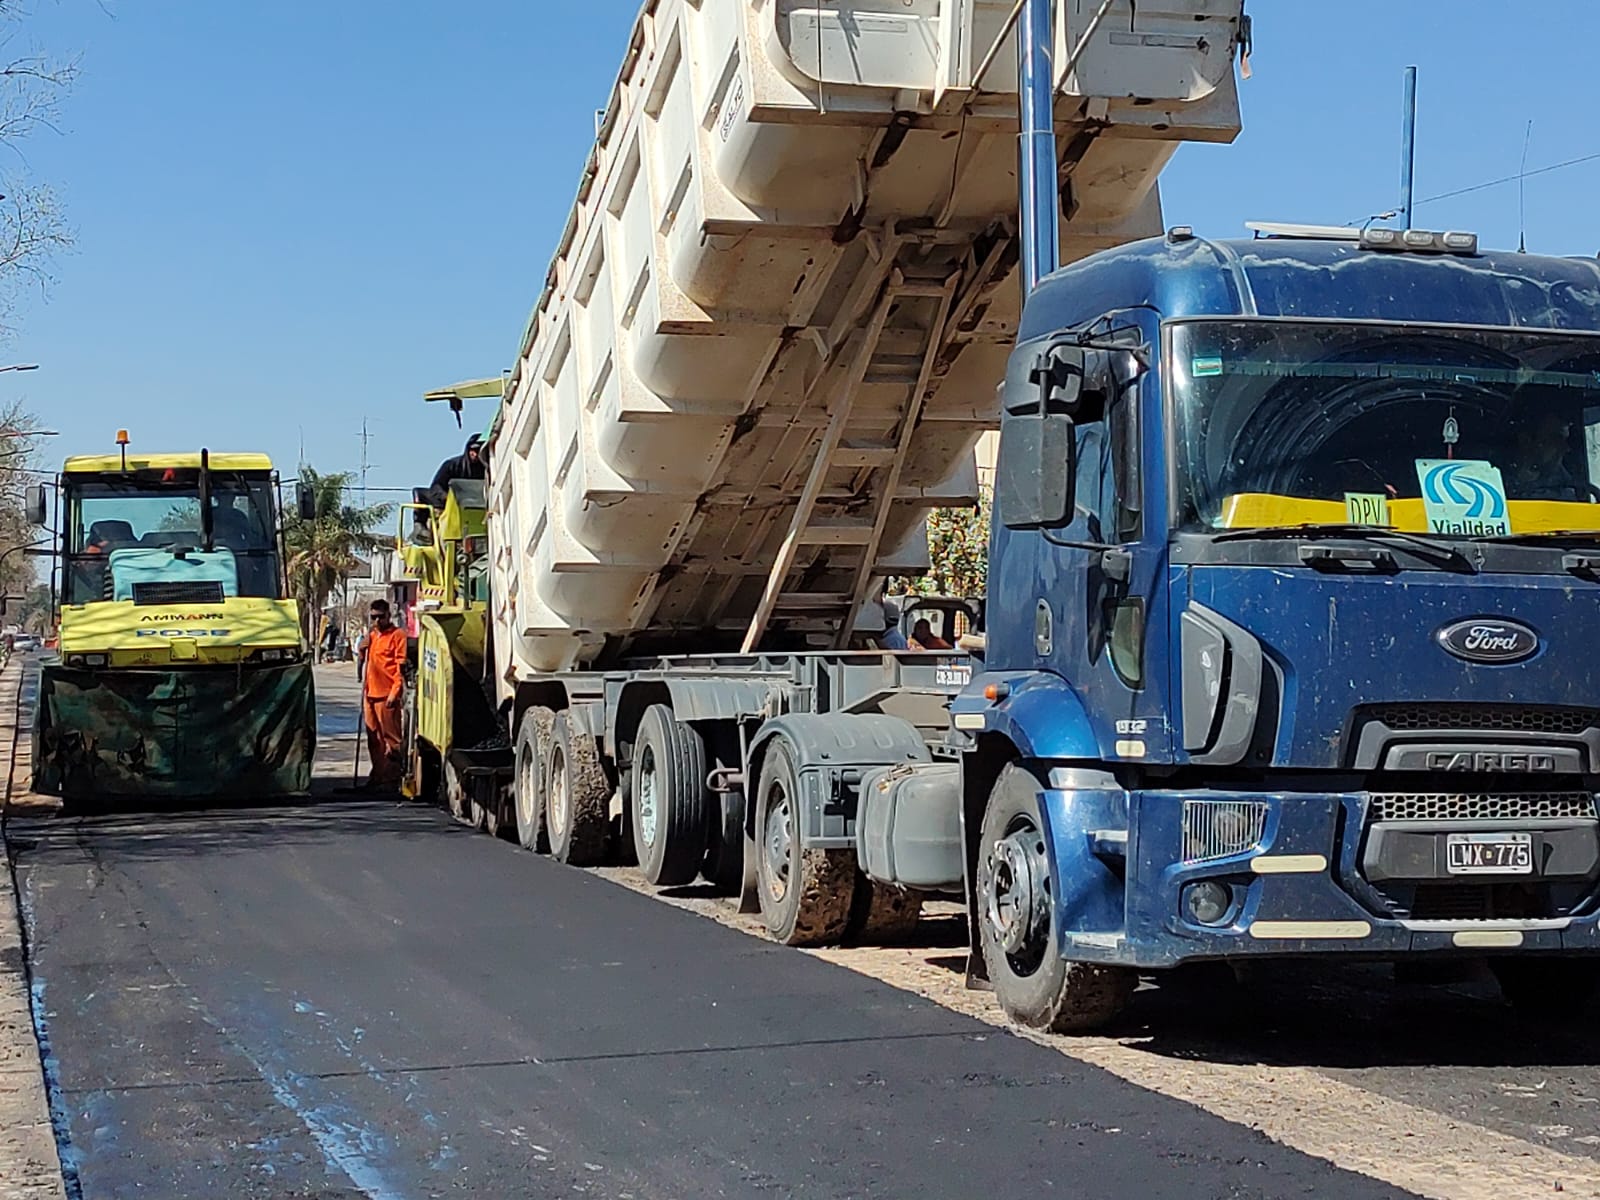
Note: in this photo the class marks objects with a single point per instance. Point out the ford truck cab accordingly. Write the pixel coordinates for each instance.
(1296, 544)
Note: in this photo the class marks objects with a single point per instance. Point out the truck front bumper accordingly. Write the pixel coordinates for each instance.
(1299, 873)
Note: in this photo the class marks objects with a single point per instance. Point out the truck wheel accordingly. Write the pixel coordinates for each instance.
(724, 862)
(1016, 920)
(527, 787)
(483, 806)
(805, 894)
(881, 913)
(723, 866)
(455, 794)
(1548, 987)
(577, 797)
(668, 798)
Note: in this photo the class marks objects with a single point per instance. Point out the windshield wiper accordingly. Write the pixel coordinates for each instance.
(1542, 535)
(1426, 545)
(1331, 529)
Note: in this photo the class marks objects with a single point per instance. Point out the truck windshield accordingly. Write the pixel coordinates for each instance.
(1450, 431)
(132, 526)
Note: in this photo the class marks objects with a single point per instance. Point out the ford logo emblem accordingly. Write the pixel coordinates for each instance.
(1488, 640)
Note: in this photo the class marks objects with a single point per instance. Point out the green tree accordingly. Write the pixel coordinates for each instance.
(324, 550)
(34, 614)
(33, 229)
(19, 441)
(958, 552)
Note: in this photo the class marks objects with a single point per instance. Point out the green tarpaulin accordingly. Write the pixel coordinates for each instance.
(227, 732)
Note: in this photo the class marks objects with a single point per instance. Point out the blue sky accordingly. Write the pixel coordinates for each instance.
(296, 214)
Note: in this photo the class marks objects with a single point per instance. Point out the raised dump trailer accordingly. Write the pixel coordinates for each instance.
(182, 668)
(772, 331)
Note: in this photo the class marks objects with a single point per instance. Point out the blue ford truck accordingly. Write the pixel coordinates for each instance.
(1292, 589)
(1295, 566)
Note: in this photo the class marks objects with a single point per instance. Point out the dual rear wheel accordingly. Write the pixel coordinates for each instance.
(560, 794)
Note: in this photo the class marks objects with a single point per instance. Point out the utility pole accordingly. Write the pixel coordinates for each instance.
(365, 438)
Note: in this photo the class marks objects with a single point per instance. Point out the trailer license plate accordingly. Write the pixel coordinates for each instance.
(1489, 853)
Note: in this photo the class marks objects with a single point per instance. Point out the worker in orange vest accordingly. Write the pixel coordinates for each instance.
(382, 691)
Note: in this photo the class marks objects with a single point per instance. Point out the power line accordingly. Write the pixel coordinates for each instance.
(1479, 187)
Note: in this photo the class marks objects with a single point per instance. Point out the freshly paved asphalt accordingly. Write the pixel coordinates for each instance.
(355, 998)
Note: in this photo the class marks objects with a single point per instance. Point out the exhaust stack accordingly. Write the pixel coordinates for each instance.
(1039, 203)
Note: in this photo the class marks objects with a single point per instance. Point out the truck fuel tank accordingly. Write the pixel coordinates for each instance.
(908, 826)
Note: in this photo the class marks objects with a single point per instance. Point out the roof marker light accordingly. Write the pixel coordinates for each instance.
(1420, 240)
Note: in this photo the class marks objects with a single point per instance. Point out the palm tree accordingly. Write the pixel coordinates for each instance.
(323, 551)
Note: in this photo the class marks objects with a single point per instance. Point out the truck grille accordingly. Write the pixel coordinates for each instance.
(1486, 718)
(177, 592)
(1479, 806)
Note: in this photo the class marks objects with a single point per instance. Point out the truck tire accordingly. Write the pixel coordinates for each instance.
(577, 797)
(805, 894)
(1017, 923)
(453, 793)
(668, 798)
(881, 913)
(723, 867)
(527, 781)
(483, 806)
(1548, 988)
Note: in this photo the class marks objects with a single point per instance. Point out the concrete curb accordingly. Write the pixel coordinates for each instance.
(30, 1168)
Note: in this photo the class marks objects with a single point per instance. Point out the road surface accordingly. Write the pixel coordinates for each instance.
(346, 998)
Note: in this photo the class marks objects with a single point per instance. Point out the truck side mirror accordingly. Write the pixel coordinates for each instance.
(34, 505)
(306, 501)
(1036, 473)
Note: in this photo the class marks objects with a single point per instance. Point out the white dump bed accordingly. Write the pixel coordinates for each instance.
(796, 240)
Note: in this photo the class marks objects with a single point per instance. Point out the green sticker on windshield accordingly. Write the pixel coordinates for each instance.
(1366, 508)
(1200, 367)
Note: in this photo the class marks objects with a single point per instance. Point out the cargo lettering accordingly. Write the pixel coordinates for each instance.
(1520, 761)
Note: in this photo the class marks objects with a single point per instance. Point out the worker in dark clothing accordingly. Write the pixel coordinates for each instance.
(466, 465)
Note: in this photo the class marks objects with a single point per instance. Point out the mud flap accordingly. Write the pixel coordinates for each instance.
(228, 732)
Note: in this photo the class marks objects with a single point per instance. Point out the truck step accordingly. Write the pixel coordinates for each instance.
(813, 601)
(837, 533)
(863, 454)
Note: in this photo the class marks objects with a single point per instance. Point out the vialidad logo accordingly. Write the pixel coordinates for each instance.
(1463, 496)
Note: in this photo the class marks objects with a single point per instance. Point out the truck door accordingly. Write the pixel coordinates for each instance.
(1099, 603)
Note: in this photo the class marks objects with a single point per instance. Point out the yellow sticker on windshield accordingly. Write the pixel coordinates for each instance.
(1366, 508)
